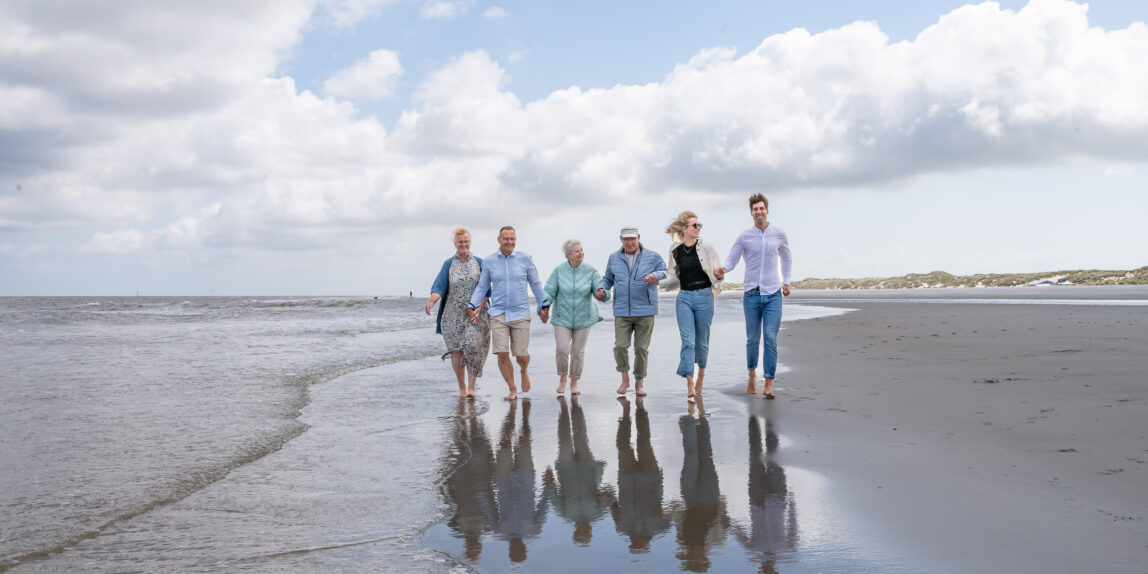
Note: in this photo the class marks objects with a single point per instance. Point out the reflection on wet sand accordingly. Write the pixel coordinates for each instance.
(637, 510)
(701, 519)
(469, 479)
(579, 498)
(495, 495)
(773, 512)
(518, 517)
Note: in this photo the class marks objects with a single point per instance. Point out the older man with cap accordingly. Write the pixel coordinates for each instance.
(633, 273)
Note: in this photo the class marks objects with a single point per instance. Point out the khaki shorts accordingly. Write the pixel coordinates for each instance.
(512, 337)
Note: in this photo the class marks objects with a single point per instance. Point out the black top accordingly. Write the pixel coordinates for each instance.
(690, 272)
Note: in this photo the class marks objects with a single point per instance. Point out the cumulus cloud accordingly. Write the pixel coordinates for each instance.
(199, 145)
(120, 241)
(445, 9)
(369, 79)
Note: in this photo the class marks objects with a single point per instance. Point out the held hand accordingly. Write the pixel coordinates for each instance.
(429, 307)
(719, 273)
(600, 295)
(651, 279)
(473, 314)
(545, 314)
(785, 290)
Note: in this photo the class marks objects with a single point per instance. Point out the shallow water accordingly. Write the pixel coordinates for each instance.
(304, 434)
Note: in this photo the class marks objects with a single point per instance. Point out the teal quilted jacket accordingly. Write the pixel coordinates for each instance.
(571, 294)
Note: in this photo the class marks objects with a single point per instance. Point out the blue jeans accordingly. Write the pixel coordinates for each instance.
(695, 310)
(762, 314)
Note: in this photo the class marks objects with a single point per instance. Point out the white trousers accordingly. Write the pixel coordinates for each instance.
(570, 350)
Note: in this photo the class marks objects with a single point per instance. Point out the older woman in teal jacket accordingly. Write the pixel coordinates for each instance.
(573, 311)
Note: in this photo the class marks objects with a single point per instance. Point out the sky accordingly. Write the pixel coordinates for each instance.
(329, 147)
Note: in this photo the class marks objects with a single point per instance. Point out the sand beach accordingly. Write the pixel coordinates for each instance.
(914, 431)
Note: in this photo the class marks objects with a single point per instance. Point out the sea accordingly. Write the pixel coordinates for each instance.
(303, 434)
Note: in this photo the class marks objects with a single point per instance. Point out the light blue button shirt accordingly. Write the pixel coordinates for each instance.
(508, 279)
(763, 250)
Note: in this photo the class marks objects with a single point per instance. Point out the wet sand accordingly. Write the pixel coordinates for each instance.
(907, 437)
(981, 437)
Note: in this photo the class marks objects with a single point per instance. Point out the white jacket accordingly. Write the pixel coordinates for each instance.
(709, 259)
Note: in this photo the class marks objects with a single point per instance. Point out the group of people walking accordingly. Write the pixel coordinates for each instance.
(485, 303)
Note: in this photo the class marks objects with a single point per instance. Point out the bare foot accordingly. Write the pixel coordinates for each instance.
(690, 389)
(561, 385)
(625, 386)
(769, 389)
(462, 393)
(574, 387)
(751, 388)
(638, 388)
(525, 382)
(698, 381)
(513, 394)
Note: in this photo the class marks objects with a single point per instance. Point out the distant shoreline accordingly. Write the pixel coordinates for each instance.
(941, 279)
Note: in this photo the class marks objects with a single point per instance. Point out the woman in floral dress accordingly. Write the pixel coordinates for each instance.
(467, 343)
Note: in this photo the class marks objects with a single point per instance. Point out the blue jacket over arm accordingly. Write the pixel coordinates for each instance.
(442, 287)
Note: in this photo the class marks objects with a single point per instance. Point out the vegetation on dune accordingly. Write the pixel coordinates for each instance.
(941, 279)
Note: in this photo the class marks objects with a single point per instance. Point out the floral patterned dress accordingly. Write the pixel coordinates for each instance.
(460, 334)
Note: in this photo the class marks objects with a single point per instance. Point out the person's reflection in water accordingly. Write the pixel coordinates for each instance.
(579, 498)
(637, 510)
(703, 522)
(469, 478)
(517, 517)
(772, 511)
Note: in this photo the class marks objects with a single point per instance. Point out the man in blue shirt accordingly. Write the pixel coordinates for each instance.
(508, 273)
(633, 272)
(765, 248)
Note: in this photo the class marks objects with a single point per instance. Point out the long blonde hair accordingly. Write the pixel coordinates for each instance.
(677, 227)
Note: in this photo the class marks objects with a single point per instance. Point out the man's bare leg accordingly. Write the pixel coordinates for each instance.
(507, 369)
(456, 364)
(561, 385)
(638, 388)
(751, 388)
(768, 388)
(698, 382)
(625, 383)
(523, 361)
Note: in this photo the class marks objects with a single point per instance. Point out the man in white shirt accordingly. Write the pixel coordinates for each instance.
(765, 248)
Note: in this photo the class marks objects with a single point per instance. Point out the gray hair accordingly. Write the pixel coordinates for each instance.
(569, 245)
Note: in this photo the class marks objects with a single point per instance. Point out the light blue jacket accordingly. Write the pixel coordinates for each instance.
(633, 297)
(571, 294)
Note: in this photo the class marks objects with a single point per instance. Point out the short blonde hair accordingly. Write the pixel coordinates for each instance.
(458, 231)
(677, 227)
(569, 245)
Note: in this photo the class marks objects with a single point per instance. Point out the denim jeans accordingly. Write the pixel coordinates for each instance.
(762, 314)
(695, 310)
